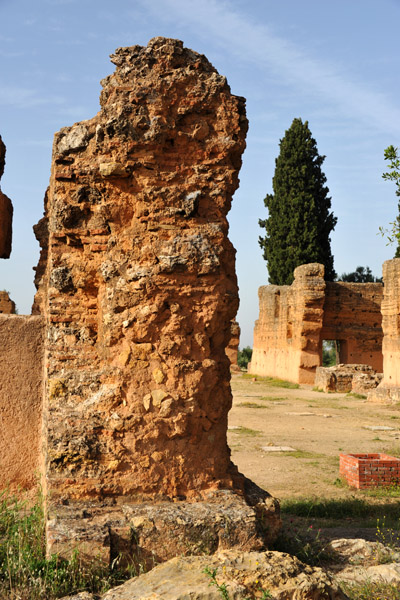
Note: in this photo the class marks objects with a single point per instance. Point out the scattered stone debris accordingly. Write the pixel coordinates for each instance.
(340, 378)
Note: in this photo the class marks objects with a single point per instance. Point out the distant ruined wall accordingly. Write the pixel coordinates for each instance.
(6, 212)
(21, 393)
(389, 388)
(137, 284)
(287, 332)
(233, 346)
(293, 321)
(7, 306)
(352, 314)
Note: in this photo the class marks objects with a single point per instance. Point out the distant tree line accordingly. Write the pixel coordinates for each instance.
(244, 357)
(360, 275)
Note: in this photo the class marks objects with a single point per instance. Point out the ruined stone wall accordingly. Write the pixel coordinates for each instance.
(287, 332)
(352, 314)
(389, 388)
(6, 212)
(293, 321)
(21, 391)
(137, 285)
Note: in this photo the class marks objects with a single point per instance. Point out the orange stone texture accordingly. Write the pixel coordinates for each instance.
(389, 388)
(7, 306)
(6, 212)
(137, 285)
(294, 320)
(21, 394)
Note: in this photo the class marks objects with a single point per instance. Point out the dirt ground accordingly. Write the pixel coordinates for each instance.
(317, 425)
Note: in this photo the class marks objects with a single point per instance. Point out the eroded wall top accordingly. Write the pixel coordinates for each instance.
(137, 283)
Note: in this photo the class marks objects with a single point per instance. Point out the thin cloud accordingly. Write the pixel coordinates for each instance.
(257, 43)
(19, 97)
(35, 143)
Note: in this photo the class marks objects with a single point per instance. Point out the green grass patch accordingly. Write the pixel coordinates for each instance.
(371, 591)
(387, 491)
(303, 454)
(26, 572)
(275, 398)
(340, 508)
(251, 405)
(246, 431)
(272, 381)
(355, 395)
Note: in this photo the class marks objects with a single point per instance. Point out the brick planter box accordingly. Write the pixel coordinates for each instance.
(370, 470)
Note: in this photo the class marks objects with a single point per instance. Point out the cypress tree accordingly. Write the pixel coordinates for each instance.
(299, 223)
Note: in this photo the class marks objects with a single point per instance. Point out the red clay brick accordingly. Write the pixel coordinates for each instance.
(369, 470)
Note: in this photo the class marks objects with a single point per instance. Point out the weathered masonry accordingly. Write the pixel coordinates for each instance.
(389, 389)
(294, 320)
(137, 287)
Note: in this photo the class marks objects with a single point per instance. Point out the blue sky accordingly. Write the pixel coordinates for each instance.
(334, 64)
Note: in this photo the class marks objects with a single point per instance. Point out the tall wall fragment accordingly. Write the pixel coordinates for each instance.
(287, 332)
(389, 388)
(137, 284)
(6, 212)
(294, 320)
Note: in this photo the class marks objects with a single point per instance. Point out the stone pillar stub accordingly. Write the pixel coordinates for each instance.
(6, 212)
(137, 284)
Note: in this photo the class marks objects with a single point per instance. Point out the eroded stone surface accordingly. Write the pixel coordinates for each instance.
(136, 282)
(21, 394)
(6, 212)
(245, 574)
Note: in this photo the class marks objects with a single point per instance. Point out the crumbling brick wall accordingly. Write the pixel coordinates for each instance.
(352, 315)
(137, 285)
(293, 321)
(287, 332)
(21, 393)
(389, 388)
